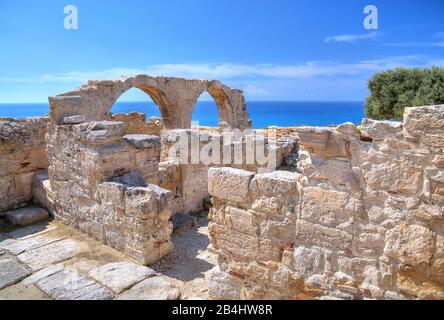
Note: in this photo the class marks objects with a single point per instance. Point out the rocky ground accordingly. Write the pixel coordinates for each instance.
(51, 261)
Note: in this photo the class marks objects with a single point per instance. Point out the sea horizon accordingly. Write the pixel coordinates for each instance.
(264, 113)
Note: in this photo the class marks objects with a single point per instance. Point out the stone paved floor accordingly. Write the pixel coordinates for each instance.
(52, 261)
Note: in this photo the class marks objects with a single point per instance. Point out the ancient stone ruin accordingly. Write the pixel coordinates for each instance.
(350, 212)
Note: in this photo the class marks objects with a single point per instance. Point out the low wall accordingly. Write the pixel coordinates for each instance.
(135, 123)
(22, 154)
(187, 175)
(360, 215)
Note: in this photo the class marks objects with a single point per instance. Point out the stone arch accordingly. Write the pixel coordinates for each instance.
(207, 107)
(226, 115)
(231, 105)
(175, 97)
(159, 99)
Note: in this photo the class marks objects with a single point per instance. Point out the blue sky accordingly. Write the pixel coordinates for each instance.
(273, 50)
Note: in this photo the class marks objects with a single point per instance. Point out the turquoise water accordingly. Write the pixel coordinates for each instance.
(263, 113)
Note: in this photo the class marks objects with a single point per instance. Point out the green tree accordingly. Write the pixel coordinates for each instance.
(394, 90)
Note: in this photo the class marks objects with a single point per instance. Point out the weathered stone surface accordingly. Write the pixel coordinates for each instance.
(331, 238)
(70, 285)
(438, 161)
(410, 244)
(229, 184)
(74, 120)
(51, 253)
(44, 273)
(19, 246)
(276, 183)
(142, 141)
(336, 171)
(154, 288)
(312, 137)
(380, 130)
(308, 261)
(348, 128)
(222, 286)
(119, 276)
(426, 123)
(26, 216)
(400, 176)
(42, 192)
(22, 153)
(324, 206)
(11, 271)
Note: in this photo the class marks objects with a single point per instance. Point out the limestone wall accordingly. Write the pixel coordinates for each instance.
(360, 215)
(22, 154)
(104, 183)
(135, 123)
(184, 170)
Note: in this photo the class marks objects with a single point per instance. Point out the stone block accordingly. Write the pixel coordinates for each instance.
(396, 176)
(143, 141)
(23, 186)
(280, 230)
(313, 234)
(42, 191)
(222, 286)
(19, 246)
(324, 206)
(241, 221)
(52, 253)
(154, 288)
(380, 130)
(11, 271)
(229, 184)
(234, 243)
(336, 171)
(308, 261)
(270, 205)
(276, 183)
(70, 285)
(120, 276)
(74, 119)
(412, 245)
(313, 137)
(26, 216)
(426, 123)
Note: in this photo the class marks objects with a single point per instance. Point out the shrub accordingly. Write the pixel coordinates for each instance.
(394, 90)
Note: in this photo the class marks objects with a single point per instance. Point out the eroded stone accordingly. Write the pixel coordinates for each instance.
(11, 271)
(119, 276)
(154, 288)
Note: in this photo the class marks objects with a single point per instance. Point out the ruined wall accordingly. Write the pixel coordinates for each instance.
(135, 123)
(104, 183)
(360, 215)
(22, 154)
(184, 170)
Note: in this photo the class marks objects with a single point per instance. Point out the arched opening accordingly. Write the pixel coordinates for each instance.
(135, 100)
(140, 113)
(206, 112)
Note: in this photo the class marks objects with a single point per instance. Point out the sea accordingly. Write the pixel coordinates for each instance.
(263, 113)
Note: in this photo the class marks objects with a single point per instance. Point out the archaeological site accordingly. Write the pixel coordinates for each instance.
(95, 205)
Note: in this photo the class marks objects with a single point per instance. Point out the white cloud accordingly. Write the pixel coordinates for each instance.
(255, 91)
(352, 38)
(306, 70)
